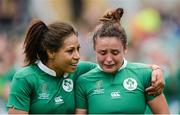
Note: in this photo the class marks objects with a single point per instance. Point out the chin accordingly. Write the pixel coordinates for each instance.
(109, 70)
(72, 70)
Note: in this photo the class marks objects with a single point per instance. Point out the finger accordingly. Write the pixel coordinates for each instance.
(150, 89)
(159, 84)
(154, 76)
(156, 91)
(155, 88)
(151, 93)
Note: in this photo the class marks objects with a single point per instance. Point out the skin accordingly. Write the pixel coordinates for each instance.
(110, 53)
(69, 54)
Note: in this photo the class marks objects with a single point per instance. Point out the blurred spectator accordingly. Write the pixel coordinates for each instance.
(13, 13)
(6, 59)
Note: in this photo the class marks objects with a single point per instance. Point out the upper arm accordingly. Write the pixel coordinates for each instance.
(19, 96)
(159, 105)
(80, 92)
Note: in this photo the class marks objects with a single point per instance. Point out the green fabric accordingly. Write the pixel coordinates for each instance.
(10, 73)
(178, 86)
(123, 92)
(37, 92)
(2, 86)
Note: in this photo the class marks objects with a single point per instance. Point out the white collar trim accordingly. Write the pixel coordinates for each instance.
(122, 67)
(47, 70)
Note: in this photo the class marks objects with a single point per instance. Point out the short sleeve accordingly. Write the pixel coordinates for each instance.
(20, 91)
(81, 99)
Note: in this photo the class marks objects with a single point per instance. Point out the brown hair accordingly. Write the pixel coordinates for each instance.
(41, 38)
(110, 26)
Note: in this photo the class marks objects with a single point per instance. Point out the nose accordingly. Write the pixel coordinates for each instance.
(109, 58)
(77, 55)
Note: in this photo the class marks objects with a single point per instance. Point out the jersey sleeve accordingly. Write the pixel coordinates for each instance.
(20, 91)
(81, 99)
(84, 66)
(147, 82)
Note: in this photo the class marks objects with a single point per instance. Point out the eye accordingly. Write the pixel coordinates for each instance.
(70, 51)
(78, 49)
(115, 52)
(102, 52)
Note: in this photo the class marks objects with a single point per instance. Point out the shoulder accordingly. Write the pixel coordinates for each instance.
(90, 74)
(85, 64)
(142, 71)
(138, 66)
(26, 71)
(83, 67)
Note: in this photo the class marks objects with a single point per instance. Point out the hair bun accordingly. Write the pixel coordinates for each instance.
(112, 15)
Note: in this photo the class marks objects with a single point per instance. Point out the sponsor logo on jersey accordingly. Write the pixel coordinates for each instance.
(43, 91)
(98, 87)
(130, 84)
(67, 85)
(115, 95)
(58, 100)
(43, 96)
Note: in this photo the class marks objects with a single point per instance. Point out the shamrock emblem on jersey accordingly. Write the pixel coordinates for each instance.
(130, 84)
(67, 85)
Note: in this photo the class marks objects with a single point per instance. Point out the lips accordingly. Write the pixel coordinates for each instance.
(109, 64)
(74, 65)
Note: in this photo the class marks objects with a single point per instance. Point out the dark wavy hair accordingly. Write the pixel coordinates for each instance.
(41, 37)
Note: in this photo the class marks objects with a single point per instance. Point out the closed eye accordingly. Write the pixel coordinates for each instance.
(115, 52)
(70, 51)
(102, 52)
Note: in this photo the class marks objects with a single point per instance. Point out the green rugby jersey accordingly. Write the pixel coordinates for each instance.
(122, 92)
(35, 89)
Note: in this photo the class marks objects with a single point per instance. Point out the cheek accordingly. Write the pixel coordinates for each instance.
(119, 60)
(99, 58)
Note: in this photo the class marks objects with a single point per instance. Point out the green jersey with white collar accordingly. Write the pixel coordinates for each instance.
(122, 92)
(36, 90)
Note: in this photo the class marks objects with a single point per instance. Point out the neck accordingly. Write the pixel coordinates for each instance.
(56, 69)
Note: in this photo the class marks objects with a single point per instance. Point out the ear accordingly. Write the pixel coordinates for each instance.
(51, 54)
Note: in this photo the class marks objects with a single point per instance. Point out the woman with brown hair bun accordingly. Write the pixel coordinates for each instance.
(115, 85)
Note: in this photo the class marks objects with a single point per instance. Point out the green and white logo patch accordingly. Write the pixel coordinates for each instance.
(130, 84)
(67, 85)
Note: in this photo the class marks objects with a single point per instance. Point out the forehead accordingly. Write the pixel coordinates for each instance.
(71, 41)
(110, 42)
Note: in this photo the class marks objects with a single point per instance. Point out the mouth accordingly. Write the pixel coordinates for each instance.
(108, 65)
(74, 65)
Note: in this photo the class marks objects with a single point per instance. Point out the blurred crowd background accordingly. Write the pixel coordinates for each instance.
(152, 26)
